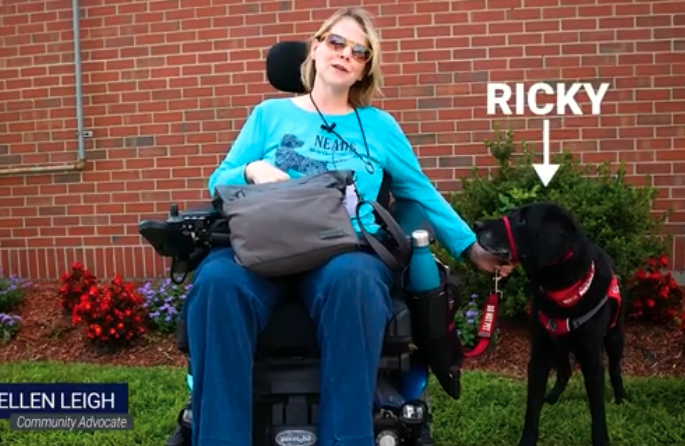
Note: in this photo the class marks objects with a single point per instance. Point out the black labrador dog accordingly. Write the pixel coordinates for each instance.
(576, 307)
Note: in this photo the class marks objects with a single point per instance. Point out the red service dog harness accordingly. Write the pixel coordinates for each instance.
(569, 297)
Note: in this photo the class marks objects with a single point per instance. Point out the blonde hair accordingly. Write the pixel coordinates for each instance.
(363, 91)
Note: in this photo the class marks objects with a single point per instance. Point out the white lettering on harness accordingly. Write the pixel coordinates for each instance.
(488, 319)
(581, 292)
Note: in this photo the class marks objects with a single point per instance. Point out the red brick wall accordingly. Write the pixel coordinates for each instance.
(167, 85)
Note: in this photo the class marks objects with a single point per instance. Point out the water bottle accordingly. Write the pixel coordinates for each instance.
(423, 271)
(427, 295)
(428, 306)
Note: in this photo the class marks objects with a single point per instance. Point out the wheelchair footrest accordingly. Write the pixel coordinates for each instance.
(286, 420)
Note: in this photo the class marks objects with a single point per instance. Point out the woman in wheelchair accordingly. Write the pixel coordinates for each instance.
(333, 126)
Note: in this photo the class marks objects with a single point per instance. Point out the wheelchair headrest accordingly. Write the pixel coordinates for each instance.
(283, 66)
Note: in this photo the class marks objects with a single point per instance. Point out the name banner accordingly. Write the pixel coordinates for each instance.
(63, 398)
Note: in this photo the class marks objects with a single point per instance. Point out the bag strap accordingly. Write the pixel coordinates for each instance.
(396, 255)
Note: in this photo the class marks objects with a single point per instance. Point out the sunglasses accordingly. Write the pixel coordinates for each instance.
(339, 43)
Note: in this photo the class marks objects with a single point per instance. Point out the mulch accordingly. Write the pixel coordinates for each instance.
(47, 334)
(649, 351)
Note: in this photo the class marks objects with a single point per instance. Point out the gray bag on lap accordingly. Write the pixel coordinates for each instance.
(289, 227)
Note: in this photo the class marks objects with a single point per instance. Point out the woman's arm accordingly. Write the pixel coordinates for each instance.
(247, 147)
(409, 182)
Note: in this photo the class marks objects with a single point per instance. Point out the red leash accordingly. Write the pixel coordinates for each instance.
(488, 321)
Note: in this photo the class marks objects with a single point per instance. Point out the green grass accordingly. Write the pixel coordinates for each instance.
(490, 412)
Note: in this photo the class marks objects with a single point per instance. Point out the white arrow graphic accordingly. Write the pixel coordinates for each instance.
(545, 171)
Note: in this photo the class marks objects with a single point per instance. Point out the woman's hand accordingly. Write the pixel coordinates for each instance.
(259, 172)
(488, 261)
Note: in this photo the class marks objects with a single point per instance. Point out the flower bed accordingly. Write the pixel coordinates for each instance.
(12, 296)
(146, 312)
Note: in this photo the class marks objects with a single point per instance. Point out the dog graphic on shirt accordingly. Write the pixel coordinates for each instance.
(287, 158)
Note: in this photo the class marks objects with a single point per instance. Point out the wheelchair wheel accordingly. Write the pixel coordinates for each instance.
(182, 434)
(180, 437)
(426, 437)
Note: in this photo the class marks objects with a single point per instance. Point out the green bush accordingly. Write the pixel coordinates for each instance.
(617, 215)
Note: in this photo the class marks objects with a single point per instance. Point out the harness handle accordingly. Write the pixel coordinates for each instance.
(488, 320)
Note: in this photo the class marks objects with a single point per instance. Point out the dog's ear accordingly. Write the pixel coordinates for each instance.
(558, 238)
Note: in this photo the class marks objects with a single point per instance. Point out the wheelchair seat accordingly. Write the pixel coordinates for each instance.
(291, 333)
(290, 339)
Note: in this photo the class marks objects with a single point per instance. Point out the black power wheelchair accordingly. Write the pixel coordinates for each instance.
(286, 368)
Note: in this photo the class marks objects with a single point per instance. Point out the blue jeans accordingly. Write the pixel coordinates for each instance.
(349, 300)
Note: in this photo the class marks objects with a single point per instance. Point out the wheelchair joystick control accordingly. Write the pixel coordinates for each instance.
(174, 216)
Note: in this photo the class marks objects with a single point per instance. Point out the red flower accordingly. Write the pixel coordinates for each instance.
(73, 285)
(109, 313)
(663, 261)
(665, 292)
(655, 294)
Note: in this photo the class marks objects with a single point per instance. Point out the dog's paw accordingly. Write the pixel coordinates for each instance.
(527, 440)
(621, 399)
(552, 397)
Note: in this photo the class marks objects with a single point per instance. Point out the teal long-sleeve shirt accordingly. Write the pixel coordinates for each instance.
(292, 139)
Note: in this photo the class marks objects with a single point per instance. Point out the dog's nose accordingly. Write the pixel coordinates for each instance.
(478, 225)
